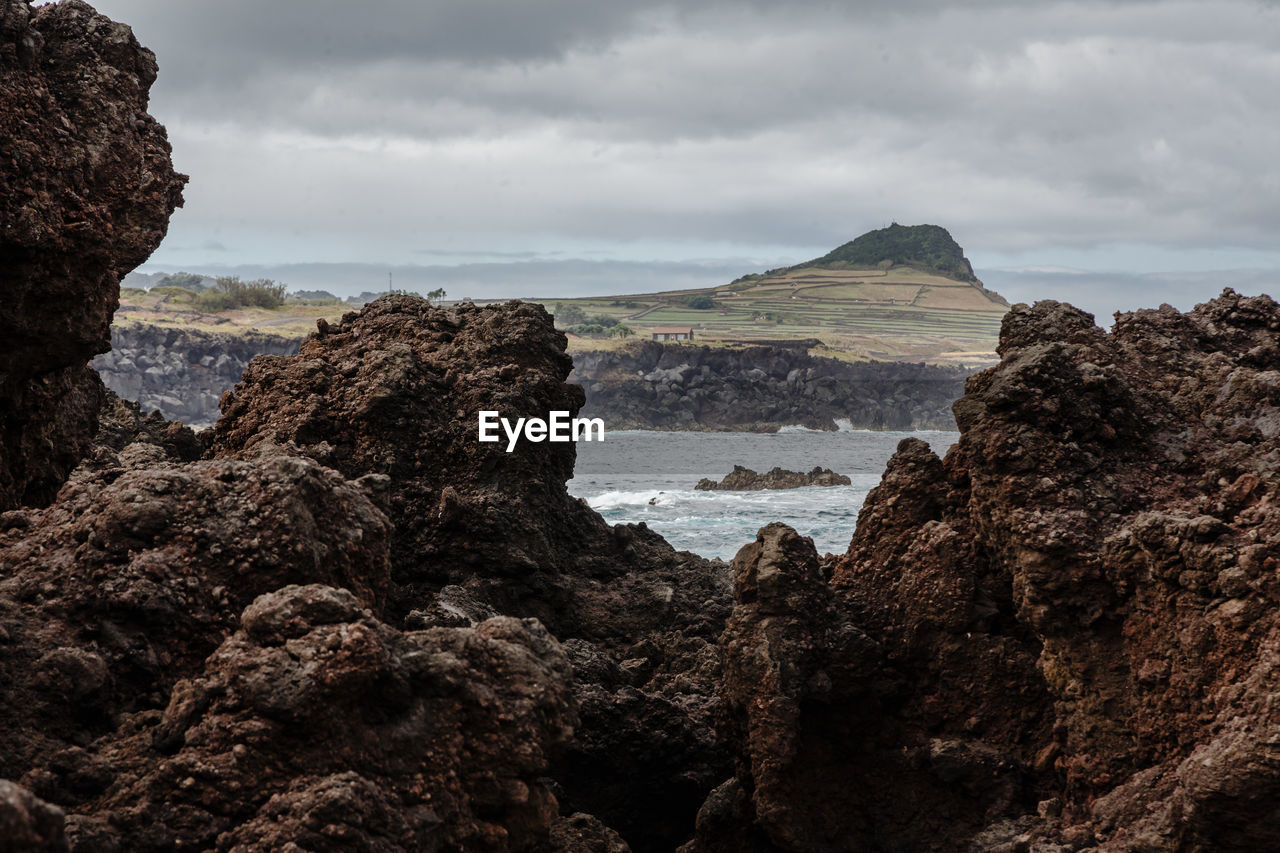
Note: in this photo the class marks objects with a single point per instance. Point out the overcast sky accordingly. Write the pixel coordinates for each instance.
(1056, 141)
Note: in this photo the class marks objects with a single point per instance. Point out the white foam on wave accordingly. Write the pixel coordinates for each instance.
(615, 499)
(790, 429)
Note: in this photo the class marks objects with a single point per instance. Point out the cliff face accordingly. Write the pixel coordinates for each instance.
(182, 373)
(656, 386)
(86, 190)
(1063, 635)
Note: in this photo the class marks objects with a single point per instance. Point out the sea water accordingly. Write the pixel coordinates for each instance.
(638, 475)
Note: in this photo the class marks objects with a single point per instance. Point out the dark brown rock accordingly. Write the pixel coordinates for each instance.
(133, 577)
(318, 725)
(29, 825)
(394, 392)
(742, 479)
(86, 190)
(1074, 609)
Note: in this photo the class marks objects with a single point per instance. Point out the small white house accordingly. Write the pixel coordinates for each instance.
(672, 333)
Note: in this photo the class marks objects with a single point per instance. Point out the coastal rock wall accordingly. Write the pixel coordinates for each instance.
(86, 191)
(182, 373)
(668, 386)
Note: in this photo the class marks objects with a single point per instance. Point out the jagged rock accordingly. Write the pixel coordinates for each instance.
(86, 190)
(396, 391)
(582, 833)
(1075, 610)
(650, 385)
(318, 725)
(133, 577)
(744, 479)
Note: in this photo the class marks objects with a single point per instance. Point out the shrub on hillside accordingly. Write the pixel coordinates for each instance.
(186, 280)
(230, 292)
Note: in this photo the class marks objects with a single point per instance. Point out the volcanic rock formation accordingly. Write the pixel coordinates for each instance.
(392, 395)
(1071, 620)
(742, 479)
(86, 190)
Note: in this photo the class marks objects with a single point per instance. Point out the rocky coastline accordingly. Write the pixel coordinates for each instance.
(651, 385)
(182, 373)
(742, 479)
(338, 622)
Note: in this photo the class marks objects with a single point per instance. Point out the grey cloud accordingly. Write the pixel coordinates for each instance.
(1017, 125)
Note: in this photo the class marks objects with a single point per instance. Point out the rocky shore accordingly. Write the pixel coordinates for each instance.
(742, 479)
(761, 389)
(341, 623)
(182, 373)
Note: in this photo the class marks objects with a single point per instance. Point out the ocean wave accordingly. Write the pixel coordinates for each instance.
(615, 499)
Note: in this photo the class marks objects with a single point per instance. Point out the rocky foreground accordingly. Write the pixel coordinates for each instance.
(341, 623)
(742, 479)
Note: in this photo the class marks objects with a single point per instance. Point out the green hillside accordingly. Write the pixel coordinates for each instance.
(925, 247)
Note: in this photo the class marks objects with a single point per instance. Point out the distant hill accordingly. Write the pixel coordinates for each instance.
(902, 293)
(924, 247)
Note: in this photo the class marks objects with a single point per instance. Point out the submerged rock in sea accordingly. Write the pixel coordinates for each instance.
(1074, 612)
(86, 191)
(742, 479)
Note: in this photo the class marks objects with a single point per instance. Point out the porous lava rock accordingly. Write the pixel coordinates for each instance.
(318, 725)
(393, 394)
(396, 390)
(1075, 608)
(86, 191)
(133, 576)
(742, 479)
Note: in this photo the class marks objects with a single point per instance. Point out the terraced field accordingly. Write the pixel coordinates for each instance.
(898, 313)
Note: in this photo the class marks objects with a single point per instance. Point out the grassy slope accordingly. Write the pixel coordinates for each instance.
(177, 311)
(898, 313)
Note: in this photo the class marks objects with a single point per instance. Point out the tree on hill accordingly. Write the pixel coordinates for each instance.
(569, 315)
(186, 280)
(314, 295)
(925, 247)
